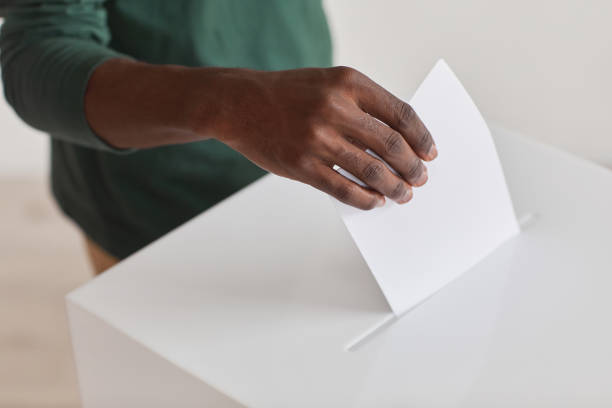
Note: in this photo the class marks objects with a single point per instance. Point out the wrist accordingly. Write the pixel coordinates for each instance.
(220, 101)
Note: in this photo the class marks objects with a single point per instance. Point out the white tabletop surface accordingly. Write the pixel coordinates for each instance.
(260, 296)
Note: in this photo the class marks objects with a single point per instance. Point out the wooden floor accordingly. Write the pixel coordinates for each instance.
(41, 259)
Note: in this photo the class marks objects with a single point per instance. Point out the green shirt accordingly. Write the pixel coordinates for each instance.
(123, 201)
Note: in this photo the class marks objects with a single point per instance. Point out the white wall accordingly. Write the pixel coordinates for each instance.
(23, 150)
(543, 67)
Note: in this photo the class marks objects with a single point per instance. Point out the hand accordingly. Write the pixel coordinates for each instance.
(296, 123)
(300, 123)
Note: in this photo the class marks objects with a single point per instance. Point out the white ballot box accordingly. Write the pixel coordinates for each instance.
(264, 301)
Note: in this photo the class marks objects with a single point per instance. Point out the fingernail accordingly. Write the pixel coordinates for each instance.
(381, 202)
(422, 178)
(432, 153)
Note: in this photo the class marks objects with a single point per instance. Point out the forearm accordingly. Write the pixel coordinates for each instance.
(130, 104)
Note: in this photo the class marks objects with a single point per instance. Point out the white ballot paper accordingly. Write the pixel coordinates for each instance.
(462, 214)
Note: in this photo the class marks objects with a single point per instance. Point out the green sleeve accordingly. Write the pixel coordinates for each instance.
(48, 50)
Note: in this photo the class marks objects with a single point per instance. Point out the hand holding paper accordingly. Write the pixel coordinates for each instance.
(456, 219)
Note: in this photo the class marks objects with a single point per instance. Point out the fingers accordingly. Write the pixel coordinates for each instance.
(373, 173)
(388, 144)
(351, 106)
(332, 183)
(378, 102)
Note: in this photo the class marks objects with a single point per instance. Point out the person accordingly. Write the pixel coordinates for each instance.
(159, 109)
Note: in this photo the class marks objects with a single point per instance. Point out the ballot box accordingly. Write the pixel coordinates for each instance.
(264, 301)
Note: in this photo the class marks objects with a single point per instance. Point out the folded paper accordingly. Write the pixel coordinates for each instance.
(460, 216)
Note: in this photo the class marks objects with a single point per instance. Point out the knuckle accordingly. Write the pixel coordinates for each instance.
(347, 156)
(414, 170)
(425, 141)
(365, 123)
(341, 154)
(405, 114)
(326, 104)
(304, 162)
(315, 135)
(372, 172)
(312, 142)
(394, 143)
(345, 192)
(344, 76)
(328, 99)
(344, 72)
(370, 124)
(356, 142)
